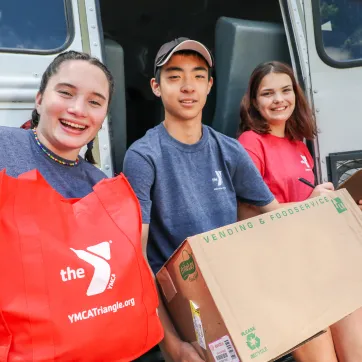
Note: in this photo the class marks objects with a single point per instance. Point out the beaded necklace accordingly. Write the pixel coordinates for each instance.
(62, 162)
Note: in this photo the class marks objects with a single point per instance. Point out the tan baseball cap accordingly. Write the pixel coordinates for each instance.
(168, 49)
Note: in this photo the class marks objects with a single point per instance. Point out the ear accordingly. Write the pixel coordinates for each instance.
(155, 87)
(211, 82)
(38, 100)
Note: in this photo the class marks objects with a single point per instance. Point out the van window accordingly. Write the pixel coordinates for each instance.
(341, 27)
(34, 26)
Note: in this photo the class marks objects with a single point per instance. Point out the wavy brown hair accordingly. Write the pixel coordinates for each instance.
(301, 123)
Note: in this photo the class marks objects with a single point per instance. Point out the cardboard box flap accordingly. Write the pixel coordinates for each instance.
(353, 185)
(271, 252)
(165, 281)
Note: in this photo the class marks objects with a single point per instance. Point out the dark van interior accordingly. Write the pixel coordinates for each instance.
(240, 33)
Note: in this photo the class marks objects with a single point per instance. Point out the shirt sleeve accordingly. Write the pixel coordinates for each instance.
(141, 175)
(248, 182)
(254, 149)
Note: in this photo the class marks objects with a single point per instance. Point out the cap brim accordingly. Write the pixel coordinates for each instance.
(190, 45)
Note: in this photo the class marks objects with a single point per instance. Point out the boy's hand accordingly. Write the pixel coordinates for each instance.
(187, 353)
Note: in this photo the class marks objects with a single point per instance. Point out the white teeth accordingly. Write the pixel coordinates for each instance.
(280, 109)
(74, 125)
(188, 102)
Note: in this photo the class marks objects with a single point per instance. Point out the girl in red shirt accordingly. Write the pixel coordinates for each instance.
(275, 119)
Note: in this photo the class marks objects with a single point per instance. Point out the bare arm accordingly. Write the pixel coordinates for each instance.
(274, 205)
(140, 172)
(171, 335)
(321, 189)
(178, 350)
(246, 211)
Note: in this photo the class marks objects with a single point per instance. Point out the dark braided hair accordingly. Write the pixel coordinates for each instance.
(53, 68)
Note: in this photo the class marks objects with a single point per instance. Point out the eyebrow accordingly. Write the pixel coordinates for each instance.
(74, 87)
(178, 69)
(199, 68)
(271, 89)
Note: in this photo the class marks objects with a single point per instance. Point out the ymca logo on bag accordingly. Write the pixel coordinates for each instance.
(97, 256)
(76, 276)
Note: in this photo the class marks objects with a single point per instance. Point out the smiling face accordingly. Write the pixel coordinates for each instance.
(275, 98)
(72, 107)
(184, 86)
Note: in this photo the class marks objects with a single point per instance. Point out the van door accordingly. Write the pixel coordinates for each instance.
(326, 40)
(32, 33)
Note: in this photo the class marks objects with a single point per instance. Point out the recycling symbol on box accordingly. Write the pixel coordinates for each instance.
(253, 341)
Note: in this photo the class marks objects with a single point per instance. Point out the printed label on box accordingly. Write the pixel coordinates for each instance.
(195, 310)
(223, 350)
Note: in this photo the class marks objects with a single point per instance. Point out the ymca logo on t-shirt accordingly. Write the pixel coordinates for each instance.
(218, 179)
(305, 162)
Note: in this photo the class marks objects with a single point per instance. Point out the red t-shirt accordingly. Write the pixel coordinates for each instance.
(281, 162)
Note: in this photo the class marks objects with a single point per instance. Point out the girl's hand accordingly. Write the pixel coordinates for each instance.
(322, 189)
(360, 204)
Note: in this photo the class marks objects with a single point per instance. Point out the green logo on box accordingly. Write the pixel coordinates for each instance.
(252, 341)
(339, 205)
(187, 267)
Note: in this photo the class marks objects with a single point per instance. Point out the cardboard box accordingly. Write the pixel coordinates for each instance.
(254, 290)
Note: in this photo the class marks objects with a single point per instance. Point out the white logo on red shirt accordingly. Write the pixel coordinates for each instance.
(305, 162)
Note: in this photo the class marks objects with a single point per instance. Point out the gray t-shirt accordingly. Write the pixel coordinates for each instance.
(20, 153)
(188, 189)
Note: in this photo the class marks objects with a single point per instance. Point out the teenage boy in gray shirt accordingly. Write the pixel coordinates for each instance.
(187, 177)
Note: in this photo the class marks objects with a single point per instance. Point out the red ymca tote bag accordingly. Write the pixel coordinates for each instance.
(73, 280)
